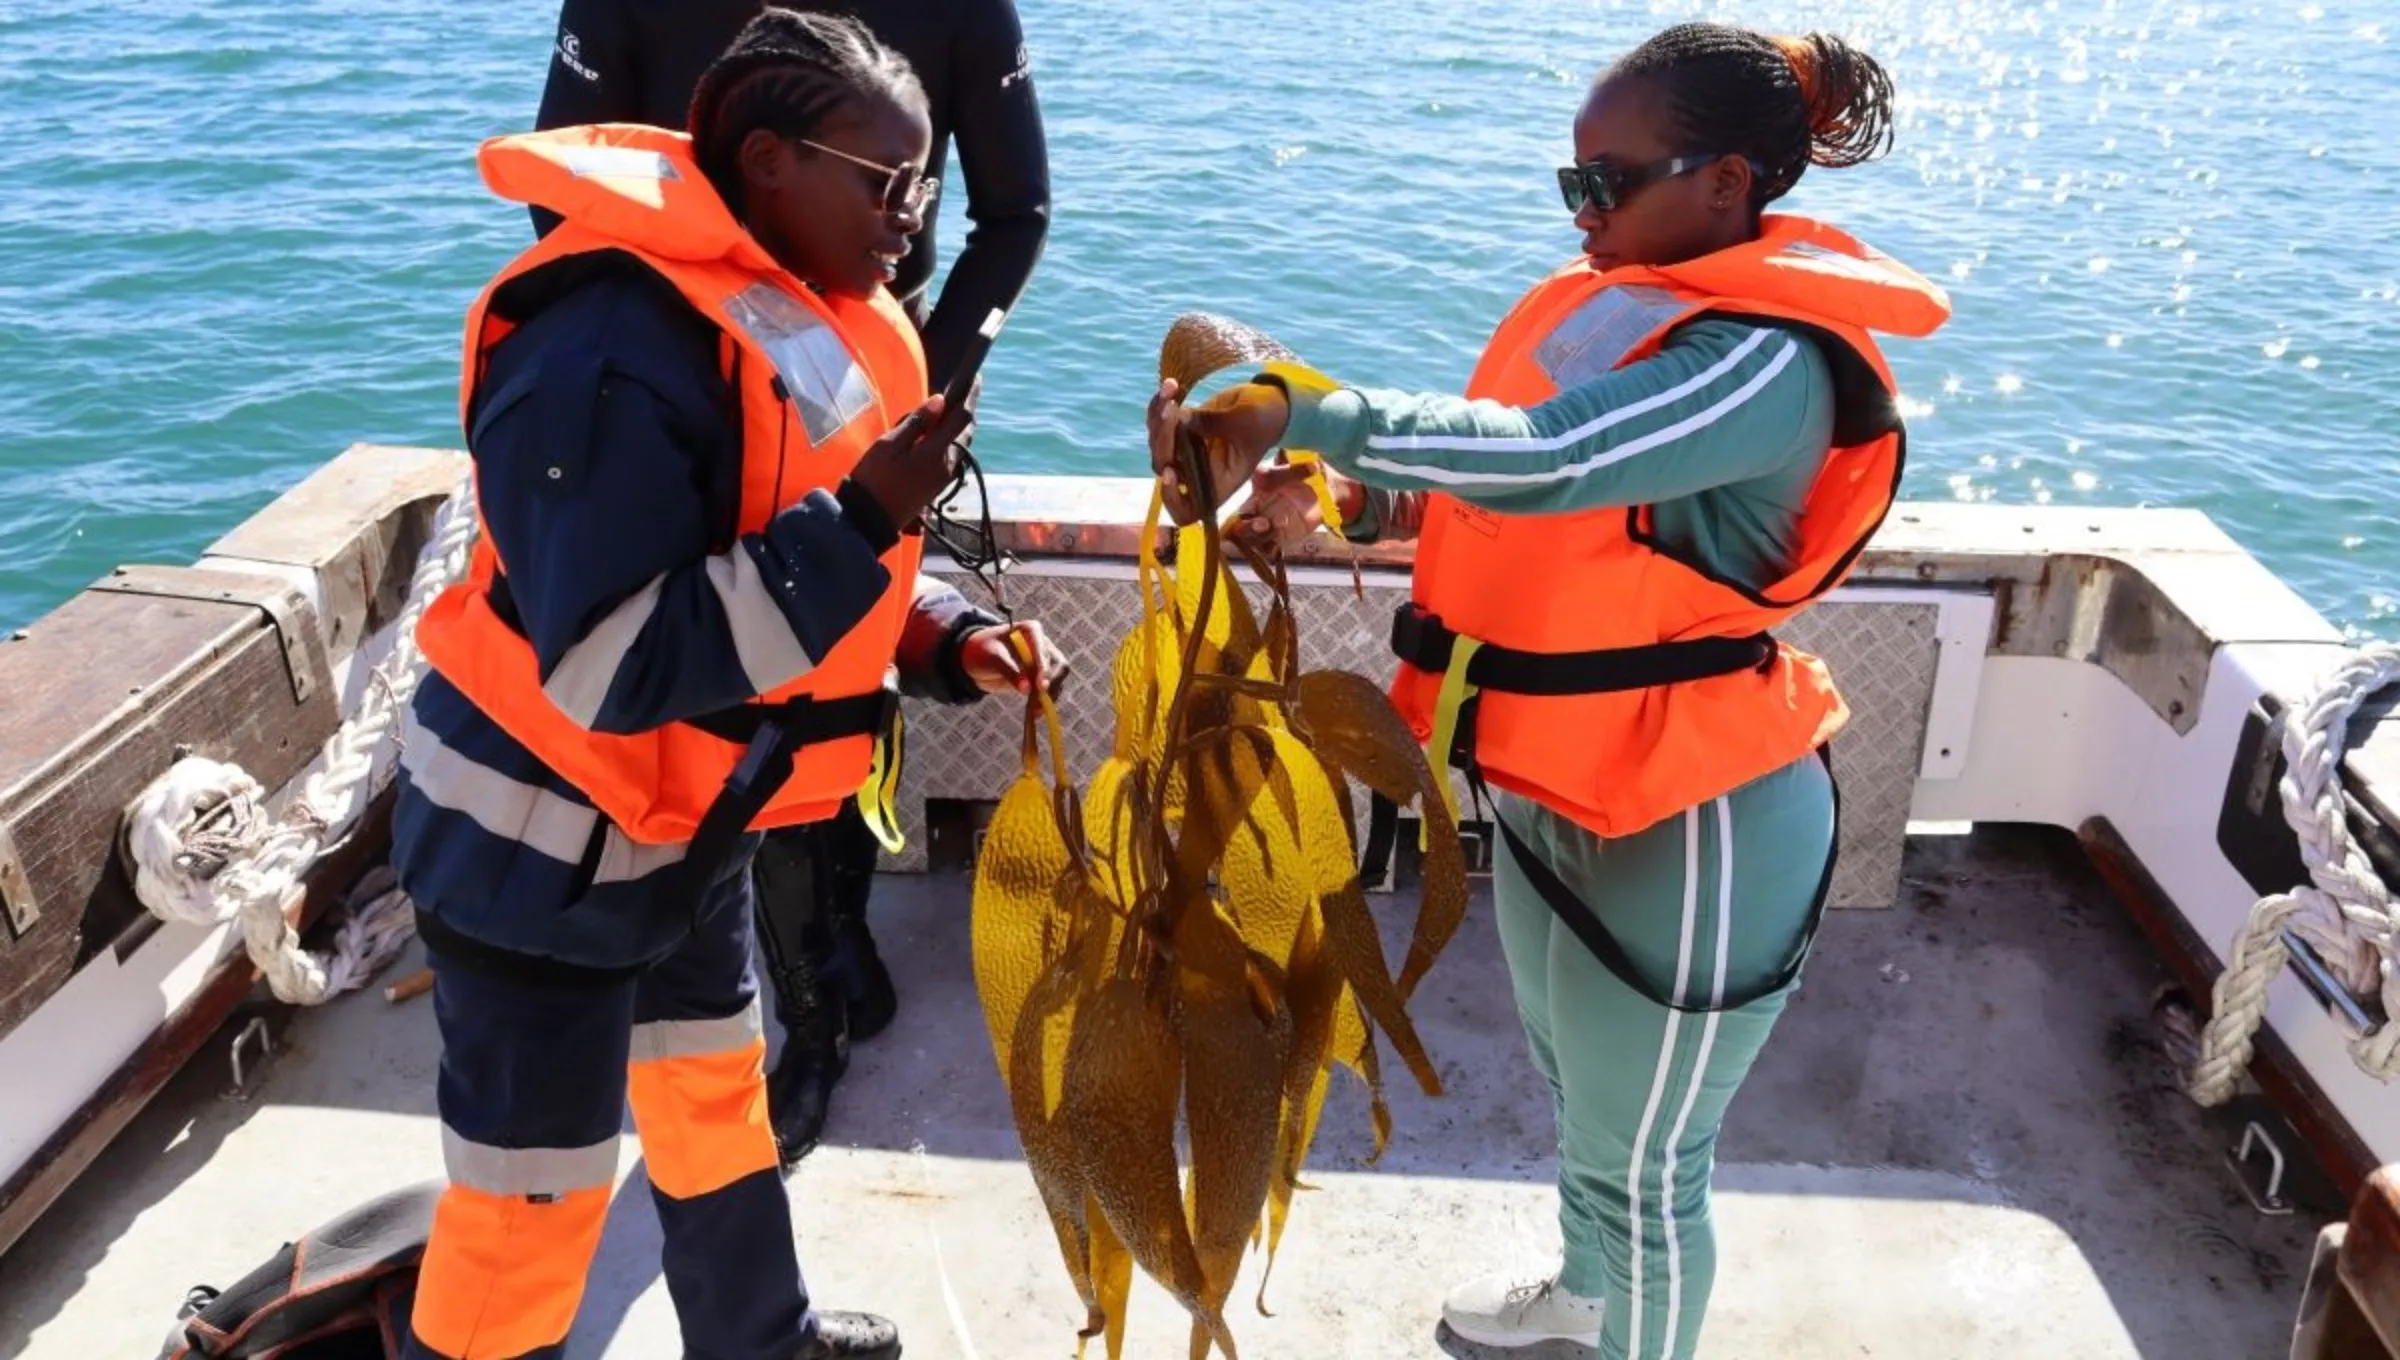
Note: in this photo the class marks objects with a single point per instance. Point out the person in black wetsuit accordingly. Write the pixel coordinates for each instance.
(636, 61)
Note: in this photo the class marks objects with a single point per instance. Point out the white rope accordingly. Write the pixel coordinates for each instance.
(2344, 913)
(204, 854)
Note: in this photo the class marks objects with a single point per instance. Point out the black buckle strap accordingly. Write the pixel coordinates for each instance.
(808, 721)
(1580, 918)
(772, 736)
(1421, 640)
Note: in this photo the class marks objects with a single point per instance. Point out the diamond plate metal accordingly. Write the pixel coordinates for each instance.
(1882, 654)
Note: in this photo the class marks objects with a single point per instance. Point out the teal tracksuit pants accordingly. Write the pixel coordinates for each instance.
(1708, 904)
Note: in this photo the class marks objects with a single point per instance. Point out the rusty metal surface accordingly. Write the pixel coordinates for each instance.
(2370, 1257)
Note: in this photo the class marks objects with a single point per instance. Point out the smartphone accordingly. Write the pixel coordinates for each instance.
(979, 345)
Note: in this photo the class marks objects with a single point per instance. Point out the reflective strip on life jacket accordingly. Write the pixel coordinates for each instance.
(825, 383)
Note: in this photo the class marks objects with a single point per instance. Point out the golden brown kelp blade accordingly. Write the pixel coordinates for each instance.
(1311, 990)
(1112, 1279)
(1186, 950)
(1036, 1088)
(1351, 939)
(1236, 1034)
(1124, 1072)
(1199, 344)
(1016, 923)
(1348, 721)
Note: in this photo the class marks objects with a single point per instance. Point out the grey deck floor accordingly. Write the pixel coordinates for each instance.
(1960, 1144)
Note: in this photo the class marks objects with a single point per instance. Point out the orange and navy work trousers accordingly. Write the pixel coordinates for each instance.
(537, 1068)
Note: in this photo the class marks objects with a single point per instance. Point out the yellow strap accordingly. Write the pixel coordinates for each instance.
(1021, 644)
(1300, 377)
(1454, 691)
(1330, 512)
(1146, 559)
(879, 797)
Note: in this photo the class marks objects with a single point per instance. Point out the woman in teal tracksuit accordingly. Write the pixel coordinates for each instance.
(1711, 366)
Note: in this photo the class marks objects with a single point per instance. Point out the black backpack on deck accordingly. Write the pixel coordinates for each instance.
(341, 1292)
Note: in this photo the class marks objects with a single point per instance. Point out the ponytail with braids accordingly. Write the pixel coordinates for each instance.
(786, 72)
(1785, 103)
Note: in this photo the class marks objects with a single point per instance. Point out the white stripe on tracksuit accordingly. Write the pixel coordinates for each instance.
(1666, 1062)
(1665, 436)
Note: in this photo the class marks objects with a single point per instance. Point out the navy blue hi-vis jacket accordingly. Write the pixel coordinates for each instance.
(627, 391)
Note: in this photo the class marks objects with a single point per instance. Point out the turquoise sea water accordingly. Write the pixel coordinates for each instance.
(236, 237)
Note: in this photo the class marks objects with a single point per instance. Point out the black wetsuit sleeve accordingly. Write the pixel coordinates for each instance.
(594, 74)
(1006, 165)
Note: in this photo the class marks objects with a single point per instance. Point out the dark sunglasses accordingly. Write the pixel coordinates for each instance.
(904, 191)
(1606, 186)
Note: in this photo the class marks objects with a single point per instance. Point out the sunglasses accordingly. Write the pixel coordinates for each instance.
(904, 191)
(1606, 186)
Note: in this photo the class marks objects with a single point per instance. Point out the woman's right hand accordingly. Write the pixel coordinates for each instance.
(1234, 428)
(906, 469)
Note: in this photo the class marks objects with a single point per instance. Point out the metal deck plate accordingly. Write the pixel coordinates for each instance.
(1883, 655)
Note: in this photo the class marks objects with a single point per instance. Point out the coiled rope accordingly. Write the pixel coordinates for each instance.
(2344, 912)
(205, 851)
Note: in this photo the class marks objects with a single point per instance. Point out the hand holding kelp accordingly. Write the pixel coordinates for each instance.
(1186, 940)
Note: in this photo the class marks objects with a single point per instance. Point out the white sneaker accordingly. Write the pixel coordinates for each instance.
(1510, 1310)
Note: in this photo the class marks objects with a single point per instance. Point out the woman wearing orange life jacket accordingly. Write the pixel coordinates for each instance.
(701, 440)
(1671, 445)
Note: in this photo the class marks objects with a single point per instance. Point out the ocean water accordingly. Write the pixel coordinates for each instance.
(236, 237)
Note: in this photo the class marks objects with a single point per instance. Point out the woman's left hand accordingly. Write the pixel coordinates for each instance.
(1283, 511)
(1236, 427)
(990, 660)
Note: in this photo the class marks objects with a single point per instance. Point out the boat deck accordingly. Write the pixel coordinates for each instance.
(1963, 1142)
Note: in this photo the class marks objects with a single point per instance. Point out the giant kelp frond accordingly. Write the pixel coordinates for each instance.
(1185, 946)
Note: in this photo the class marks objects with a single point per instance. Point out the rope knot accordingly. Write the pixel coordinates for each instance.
(184, 829)
(205, 851)
(2344, 913)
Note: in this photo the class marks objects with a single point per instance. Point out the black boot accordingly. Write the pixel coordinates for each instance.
(846, 861)
(816, 1052)
(796, 941)
(853, 1336)
(867, 984)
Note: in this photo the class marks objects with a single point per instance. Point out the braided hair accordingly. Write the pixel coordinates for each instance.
(1785, 103)
(787, 71)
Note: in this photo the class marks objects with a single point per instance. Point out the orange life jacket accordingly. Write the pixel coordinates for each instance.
(1611, 680)
(820, 378)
